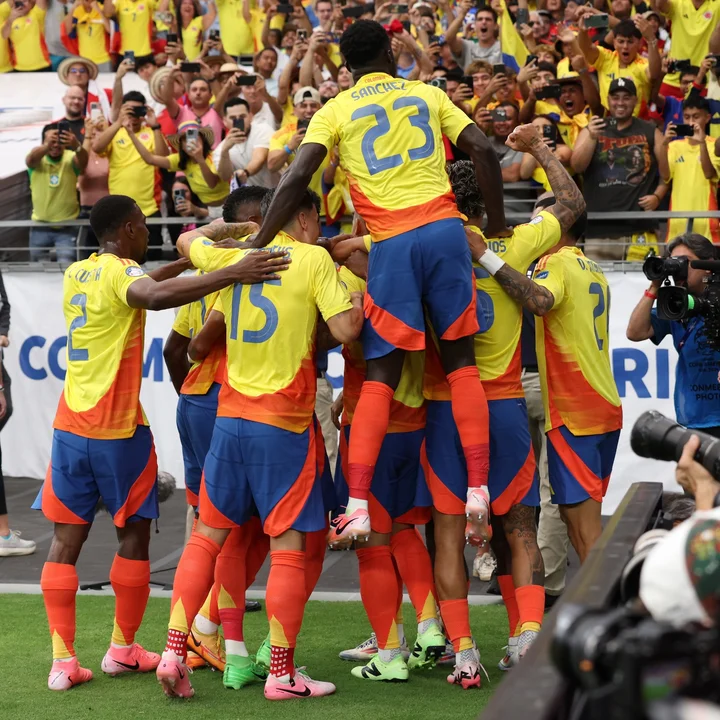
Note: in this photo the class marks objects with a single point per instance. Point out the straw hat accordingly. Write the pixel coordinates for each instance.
(64, 68)
(204, 132)
(158, 78)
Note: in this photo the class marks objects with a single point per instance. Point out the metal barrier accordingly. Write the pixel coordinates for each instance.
(535, 689)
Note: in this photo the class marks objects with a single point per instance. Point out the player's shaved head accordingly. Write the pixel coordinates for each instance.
(366, 45)
(244, 204)
(109, 214)
(468, 197)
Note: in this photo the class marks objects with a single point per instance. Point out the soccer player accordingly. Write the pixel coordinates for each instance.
(102, 445)
(569, 293)
(264, 432)
(393, 514)
(198, 386)
(512, 481)
(389, 135)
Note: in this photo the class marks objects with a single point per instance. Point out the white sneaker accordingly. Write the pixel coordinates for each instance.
(367, 650)
(15, 546)
(511, 655)
(483, 566)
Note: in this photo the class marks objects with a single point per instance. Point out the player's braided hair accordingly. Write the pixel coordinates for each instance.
(363, 42)
(468, 197)
(239, 197)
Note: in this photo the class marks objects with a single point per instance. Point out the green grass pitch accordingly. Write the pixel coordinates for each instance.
(328, 628)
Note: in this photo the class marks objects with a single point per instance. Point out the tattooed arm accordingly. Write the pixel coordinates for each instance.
(537, 299)
(215, 231)
(569, 202)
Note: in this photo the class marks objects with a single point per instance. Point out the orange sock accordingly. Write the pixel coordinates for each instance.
(315, 544)
(130, 581)
(470, 410)
(230, 576)
(378, 588)
(369, 426)
(456, 619)
(285, 601)
(193, 580)
(413, 562)
(59, 584)
(531, 606)
(507, 590)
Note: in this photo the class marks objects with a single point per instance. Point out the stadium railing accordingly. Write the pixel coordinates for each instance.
(535, 688)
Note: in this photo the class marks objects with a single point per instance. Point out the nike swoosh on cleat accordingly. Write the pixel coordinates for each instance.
(125, 665)
(299, 693)
(181, 674)
(339, 529)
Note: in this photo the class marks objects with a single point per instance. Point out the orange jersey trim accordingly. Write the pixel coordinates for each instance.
(53, 509)
(139, 491)
(507, 386)
(200, 379)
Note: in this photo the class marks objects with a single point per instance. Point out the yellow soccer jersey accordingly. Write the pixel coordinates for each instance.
(389, 134)
(135, 18)
(271, 375)
(572, 343)
(608, 68)
(101, 398)
(192, 38)
(691, 190)
(5, 59)
(237, 35)
(27, 39)
(407, 409)
(189, 322)
(91, 35)
(197, 182)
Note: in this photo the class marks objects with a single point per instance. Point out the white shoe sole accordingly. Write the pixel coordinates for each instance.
(16, 552)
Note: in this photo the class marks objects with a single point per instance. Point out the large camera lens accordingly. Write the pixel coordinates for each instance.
(677, 267)
(657, 437)
(654, 267)
(674, 303)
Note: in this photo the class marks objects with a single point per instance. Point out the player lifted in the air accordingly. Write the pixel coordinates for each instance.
(389, 135)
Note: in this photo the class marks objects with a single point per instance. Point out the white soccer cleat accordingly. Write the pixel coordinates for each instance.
(477, 511)
(511, 655)
(346, 528)
(484, 566)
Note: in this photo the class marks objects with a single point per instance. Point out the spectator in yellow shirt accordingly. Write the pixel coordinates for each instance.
(192, 24)
(693, 168)
(54, 167)
(5, 60)
(88, 25)
(625, 61)
(236, 30)
(135, 18)
(129, 174)
(25, 28)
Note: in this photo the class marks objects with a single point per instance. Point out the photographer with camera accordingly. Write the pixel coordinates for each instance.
(697, 392)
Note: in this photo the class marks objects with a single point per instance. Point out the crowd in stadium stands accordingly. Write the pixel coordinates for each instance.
(208, 97)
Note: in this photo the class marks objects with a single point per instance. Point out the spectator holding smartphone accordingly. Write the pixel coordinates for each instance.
(697, 89)
(74, 102)
(88, 30)
(692, 168)
(191, 26)
(504, 121)
(530, 167)
(129, 174)
(183, 200)
(193, 156)
(81, 72)
(54, 167)
(244, 152)
(25, 29)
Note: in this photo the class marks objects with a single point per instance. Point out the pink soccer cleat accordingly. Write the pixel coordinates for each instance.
(65, 674)
(467, 675)
(477, 510)
(301, 686)
(174, 676)
(346, 528)
(130, 659)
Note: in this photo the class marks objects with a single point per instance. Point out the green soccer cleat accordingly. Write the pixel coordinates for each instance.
(262, 656)
(241, 671)
(394, 671)
(429, 647)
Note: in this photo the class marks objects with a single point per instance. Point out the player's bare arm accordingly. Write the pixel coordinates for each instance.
(213, 331)
(251, 269)
(289, 192)
(217, 231)
(489, 177)
(537, 299)
(342, 250)
(170, 270)
(569, 202)
(175, 356)
(346, 326)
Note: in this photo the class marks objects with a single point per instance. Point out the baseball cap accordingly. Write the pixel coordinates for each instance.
(307, 93)
(622, 83)
(680, 579)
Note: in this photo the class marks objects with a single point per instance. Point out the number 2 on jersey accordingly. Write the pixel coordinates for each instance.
(420, 120)
(601, 308)
(263, 304)
(75, 354)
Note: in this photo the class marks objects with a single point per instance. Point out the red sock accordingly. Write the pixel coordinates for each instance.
(315, 544)
(413, 562)
(456, 619)
(470, 410)
(531, 606)
(193, 580)
(258, 548)
(369, 426)
(378, 590)
(59, 584)
(130, 581)
(230, 576)
(507, 590)
(285, 601)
